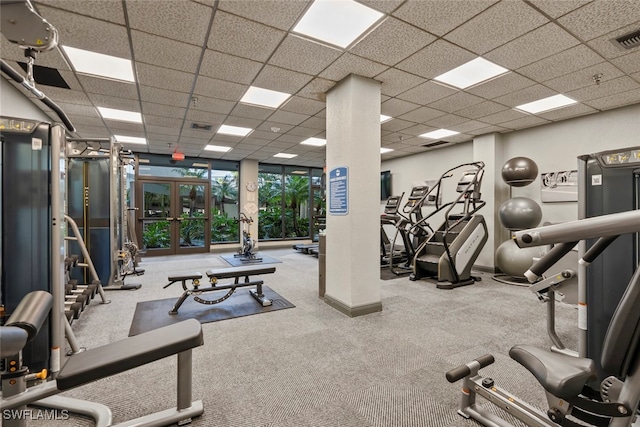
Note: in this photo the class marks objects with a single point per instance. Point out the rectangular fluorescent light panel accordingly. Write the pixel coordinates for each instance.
(234, 130)
(546, 104)
(471, 73)
(385, 150)
(285, 155)
(100, 65)
(120, 115)
(218, 148)
(200, 165)
(264, 97)
(384, 118)
(437, 134)
(338, 23)
(316, 142)
(130, 139)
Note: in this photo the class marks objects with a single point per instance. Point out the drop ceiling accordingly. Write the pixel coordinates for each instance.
(194, 60)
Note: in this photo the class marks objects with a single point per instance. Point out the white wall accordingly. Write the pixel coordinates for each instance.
(554, 147)
(13, 103)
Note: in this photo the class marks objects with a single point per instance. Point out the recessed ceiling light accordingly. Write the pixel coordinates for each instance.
(234, 130)
(264, 97)
(546, 104)
(285, 155)
(471, 73)
(120, 115)
(129, 139)
(218, 148)
(100, 65)
(384, 118)
(385, 150)
(437, 134)
(316, 142)
(339, 23)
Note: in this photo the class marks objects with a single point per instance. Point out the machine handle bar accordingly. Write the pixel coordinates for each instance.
(462, 371)
(549, 259)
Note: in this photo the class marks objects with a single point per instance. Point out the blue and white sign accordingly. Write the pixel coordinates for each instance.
(339, 191)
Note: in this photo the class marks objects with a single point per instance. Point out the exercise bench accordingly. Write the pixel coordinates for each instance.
(92, 365)
(214, 275)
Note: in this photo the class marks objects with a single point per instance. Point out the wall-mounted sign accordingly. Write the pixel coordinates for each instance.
(339, 191)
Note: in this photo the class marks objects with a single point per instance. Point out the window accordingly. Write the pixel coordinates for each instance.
(224, 201)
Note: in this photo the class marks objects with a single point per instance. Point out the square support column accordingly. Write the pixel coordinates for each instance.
(353, 200)
(248, 200)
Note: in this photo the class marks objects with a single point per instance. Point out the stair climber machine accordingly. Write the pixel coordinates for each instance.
(448, 255)
(412, 228)
(390, 254)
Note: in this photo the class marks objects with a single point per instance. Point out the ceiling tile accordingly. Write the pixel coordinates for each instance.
(318, 123)
(440, 16)
(162, 110)
(298, 54)
(119, 128)
(108, 87)
(397, 125)
(159, 137)
(268, 128)
(52, 58)
(417, 130)
(297, 104)
(391, 42)
(163, 96)
(113, 102)
(213, 105)
(496, 26)
(78, 109)
(242, 37)
(523, 96)
(427, 93)
(533, 46)
(106, 10)
(503, 117)
(601, 17)
(435, 59)
(204, 117)
(65, 95)
(567, 112)
(482, 109)
(175, 55)
(606, 88)
(227, 67)
(288, 117)
(281, 80)
(351, 64)
(555, 8)
(561, 63)
(628, 63)
(487, 130)
(78, 120)
(606, 44)
(421, 115)
(447, 121)
(185, 22)
(397, 107)
(317, 89)
(93, 131)
(87, 33)
(242, 122)
(584, 77)
(395, 81)
(280, 14)
(471, 125)
(197, 135)
(285, 142)
(152, 75)
(525, 122)
(302, 132)
(215, 88)
(455, 102)
(244, 110)
(150, 120)
(169, 133)
(615, 101)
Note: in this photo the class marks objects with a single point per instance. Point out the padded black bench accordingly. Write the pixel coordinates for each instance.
(214, 275)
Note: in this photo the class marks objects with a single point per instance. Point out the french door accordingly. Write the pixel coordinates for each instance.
(173, 216)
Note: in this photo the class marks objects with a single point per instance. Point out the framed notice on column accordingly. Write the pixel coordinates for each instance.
(339, 191)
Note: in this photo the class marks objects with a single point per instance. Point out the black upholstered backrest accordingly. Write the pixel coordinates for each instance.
(622, 340)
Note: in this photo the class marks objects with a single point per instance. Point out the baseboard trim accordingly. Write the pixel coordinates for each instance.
(360, 310)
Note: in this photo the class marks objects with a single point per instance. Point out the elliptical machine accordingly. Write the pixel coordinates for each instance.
(450, 252)
(246, 254)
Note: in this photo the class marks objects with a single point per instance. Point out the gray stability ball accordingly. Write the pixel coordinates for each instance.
(519, 213)
(515, 261)
(519, 171)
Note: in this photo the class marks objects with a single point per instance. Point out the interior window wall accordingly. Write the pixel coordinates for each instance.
(287, 202)
(224, 201)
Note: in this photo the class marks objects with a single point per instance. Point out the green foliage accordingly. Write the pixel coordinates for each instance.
(192, 230)
(223, 228)
(224, 190)
(156, 235)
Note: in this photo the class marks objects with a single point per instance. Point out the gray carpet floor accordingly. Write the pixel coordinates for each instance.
(313, 366)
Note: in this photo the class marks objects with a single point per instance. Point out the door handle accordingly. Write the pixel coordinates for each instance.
(170, 219)
(179, 219)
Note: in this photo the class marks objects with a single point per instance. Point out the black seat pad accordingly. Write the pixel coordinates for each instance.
(560, 374)
(111, 359)
(227, 273)
(183, 277)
